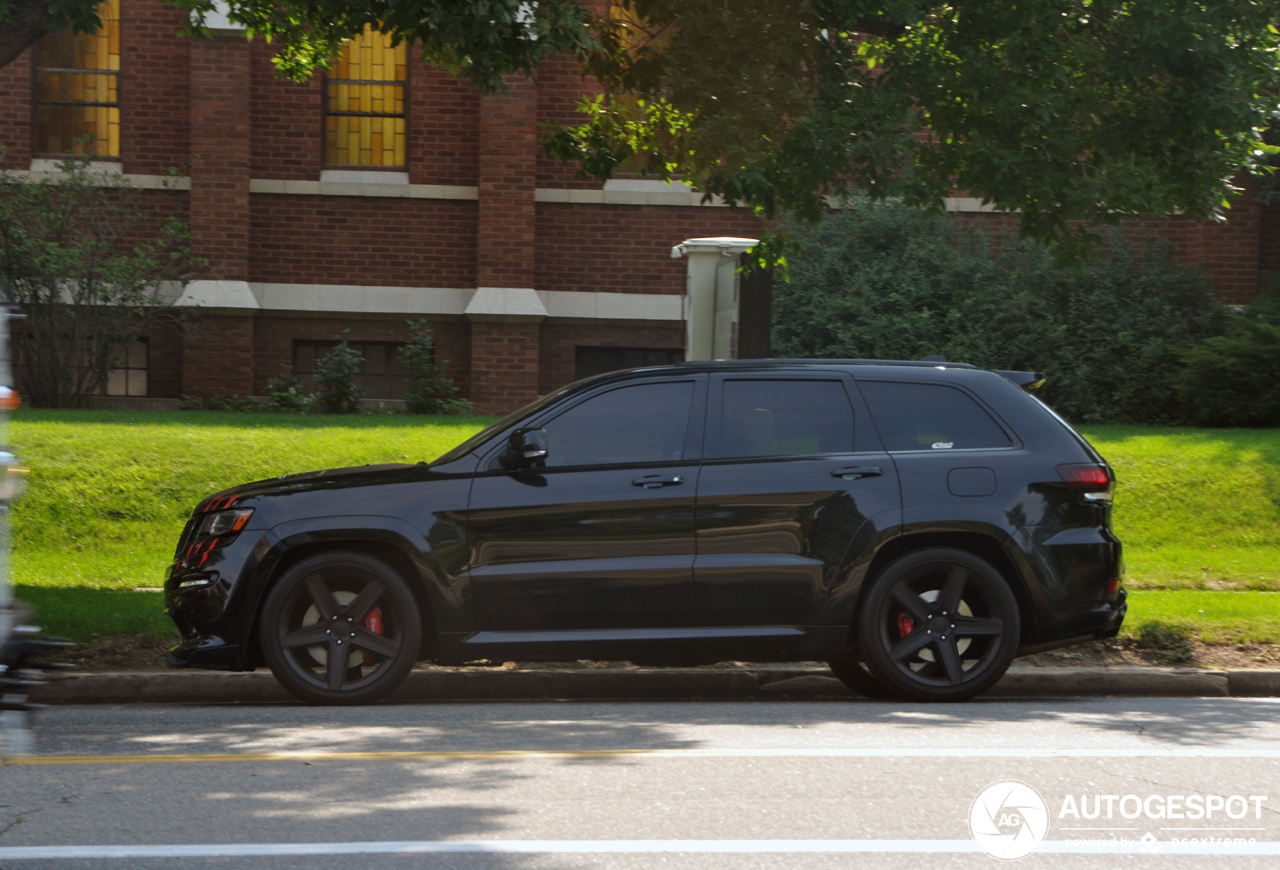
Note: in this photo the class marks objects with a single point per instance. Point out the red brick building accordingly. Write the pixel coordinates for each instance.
(389, 191)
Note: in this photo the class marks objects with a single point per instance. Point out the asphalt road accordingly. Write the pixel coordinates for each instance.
(643, 785)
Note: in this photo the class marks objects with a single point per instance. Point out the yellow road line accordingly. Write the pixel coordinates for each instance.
(522, 754)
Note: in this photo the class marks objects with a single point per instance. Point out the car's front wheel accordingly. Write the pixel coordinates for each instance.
(938, 625)
(340, 628)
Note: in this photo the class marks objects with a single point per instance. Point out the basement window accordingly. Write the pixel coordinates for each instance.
(597, 360)
(131, 378)
(382, 375)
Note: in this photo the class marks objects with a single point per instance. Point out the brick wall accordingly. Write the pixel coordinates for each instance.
(217, 356)
(560, 342)
(286, 119)
(154, 88)
(560, 90)
(1268, 242)
(625, 248)
(444, 127)
(1229, 251)
(504, 365)
(220, 154)
(508, 143)
(274, 337)
(363, 240)
(15, 113)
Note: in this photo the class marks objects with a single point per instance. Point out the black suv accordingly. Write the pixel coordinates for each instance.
(917, 525)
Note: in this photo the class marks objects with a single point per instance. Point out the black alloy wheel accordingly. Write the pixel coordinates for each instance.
(938, 625)
(340, 628)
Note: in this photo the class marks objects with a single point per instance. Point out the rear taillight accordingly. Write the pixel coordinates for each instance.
(1093, 481)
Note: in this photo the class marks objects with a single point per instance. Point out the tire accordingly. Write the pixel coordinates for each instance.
(938, 625)
(854, 674)
(379, 640)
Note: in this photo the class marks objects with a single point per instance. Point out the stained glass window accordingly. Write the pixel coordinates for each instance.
(77, 94)
(364, 103)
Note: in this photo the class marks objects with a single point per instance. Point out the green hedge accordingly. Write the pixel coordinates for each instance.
(1234, 379)
(889, 282)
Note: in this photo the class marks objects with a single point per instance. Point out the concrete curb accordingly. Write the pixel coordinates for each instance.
(742, 683)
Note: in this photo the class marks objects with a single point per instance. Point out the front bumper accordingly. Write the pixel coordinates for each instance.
(206, 652)
(215, 618)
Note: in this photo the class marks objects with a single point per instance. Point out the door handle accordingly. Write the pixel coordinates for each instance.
(855, 473)
(657, 481)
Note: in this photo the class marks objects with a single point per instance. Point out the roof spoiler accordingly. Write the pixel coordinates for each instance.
(1029, 381)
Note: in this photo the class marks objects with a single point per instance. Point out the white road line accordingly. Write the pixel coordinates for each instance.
(264, 850)
(509, 754)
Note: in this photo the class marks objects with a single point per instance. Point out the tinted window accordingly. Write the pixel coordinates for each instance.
(644, 423)
(930, 416)
(785, 418)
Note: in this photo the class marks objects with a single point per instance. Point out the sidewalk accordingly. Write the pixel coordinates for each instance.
(744, 682)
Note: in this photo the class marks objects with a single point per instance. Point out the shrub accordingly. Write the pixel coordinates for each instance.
(84, 257)
(889, 282)
(336, 390)
(233, 402)
(1168, 641)
(285, 392)
(430, 392)
(1231, 380)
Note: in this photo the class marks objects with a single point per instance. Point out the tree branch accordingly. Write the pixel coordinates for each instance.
(27, 21)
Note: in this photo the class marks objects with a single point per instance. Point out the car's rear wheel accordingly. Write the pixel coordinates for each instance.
(938, 625)
(340, 628)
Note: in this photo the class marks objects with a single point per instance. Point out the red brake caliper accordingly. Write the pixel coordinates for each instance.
(905, 624)
(373, 622)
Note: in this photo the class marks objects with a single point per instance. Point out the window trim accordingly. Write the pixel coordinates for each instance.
(1015, 443)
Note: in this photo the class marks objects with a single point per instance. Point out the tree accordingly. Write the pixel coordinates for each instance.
(86, 262)
(1062, 110)
(482, 40)
(1070, 113)
(22, 22)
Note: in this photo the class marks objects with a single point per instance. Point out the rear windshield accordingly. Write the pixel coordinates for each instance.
(930, 417)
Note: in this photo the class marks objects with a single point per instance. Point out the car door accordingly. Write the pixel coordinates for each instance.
(600, 536)
(794, 487)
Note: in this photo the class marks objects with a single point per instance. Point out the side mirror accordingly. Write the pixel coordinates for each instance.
(525, 447)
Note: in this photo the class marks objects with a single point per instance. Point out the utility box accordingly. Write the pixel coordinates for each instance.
(711, 295)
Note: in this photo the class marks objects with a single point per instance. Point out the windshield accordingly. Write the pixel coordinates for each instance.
(477, 440)
(492, 429)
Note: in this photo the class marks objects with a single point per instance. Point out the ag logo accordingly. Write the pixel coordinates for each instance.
(1008, 819)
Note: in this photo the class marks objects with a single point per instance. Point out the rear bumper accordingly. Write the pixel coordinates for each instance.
(1104, 623)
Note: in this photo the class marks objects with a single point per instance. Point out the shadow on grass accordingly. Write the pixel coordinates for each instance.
(85, 615)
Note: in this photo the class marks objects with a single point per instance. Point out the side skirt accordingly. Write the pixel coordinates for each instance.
(694, 645)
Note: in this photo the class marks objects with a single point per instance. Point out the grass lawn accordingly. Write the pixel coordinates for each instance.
(1197, 509)
(1213, 617)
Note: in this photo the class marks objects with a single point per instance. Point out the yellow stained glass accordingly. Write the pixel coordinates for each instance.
(77, 105)
(364, 103)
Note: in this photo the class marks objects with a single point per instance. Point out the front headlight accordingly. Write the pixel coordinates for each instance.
(223, 523)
